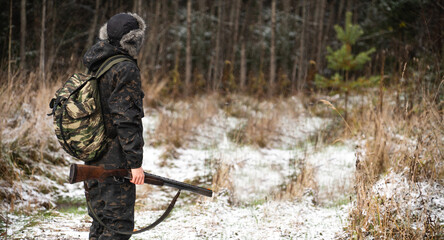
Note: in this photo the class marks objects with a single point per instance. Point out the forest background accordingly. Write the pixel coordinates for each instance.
(237, 45)
(257, 62)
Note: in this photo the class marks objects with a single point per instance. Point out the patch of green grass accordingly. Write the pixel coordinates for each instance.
(74, 210)
(71, 205)
(344, 200)
(256, 202)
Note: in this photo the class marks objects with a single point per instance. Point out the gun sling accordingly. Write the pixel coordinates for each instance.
(152, 225)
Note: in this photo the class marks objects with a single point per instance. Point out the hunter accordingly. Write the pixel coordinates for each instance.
(121, 101)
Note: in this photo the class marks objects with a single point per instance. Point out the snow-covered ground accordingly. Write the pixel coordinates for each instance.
(214, 219)
(248, 182)
(245, 204)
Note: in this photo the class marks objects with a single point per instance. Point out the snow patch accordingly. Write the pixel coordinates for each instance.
(414, 201)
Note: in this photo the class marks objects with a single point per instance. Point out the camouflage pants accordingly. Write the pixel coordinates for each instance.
(113, 201)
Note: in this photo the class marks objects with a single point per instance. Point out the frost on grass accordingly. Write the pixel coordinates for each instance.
(410, 204)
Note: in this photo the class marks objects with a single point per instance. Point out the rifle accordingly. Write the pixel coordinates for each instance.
(80, 173)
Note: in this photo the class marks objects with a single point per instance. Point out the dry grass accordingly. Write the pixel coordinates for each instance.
(398, 141)
(302, 183)
(264, 122)
(203, 120)
(179, 122)
(152, 91)
(27, 142)
(222, 178)
(261, 131)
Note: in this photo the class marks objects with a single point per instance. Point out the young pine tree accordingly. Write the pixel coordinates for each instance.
(343, 61)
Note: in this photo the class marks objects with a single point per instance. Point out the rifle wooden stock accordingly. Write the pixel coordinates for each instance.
(79, 173)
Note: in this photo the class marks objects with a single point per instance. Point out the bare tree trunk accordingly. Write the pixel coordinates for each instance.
(272, 50)
(22, 36)
(311, 16)
(316, 11)
(201, 62)
(302, 47)
(42, 46)
(210, 70)
(243, 67)
(230, 41)
(50, 37)
(216, 73)
(188, 51)
(328, 29)
(285, 26)
(163, 38)
(295, 61)
(340, 10)
(176, 23)
(10, 43)
(261, 39)
(92, 29)
(244, 33)
(320, 33)
(137, 6)
(286, 4)
(202, 5)
(153, 61)
(151, 43)
(349, 5)
(237, 7)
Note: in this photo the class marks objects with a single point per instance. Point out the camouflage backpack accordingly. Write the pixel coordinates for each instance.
(77, 114)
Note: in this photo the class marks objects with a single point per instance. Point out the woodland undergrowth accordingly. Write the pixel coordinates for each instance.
(404, 138)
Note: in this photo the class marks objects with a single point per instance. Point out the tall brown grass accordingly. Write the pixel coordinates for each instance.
(222, 182)
(302, 183)
(179, 121)
(27, 143)
(407, 141)
(264, 120)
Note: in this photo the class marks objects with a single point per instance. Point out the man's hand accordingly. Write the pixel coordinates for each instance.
(138, 176)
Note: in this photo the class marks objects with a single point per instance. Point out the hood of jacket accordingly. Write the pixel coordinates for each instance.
(99, 52)
(130, 41)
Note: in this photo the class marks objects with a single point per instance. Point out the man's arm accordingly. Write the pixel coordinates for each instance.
(126, 107)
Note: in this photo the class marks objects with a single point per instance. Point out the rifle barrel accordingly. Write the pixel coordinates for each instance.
(180, 185)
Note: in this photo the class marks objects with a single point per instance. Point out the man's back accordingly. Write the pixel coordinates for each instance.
(121, 100)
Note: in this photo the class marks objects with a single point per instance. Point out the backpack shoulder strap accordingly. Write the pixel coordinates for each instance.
(109, 63)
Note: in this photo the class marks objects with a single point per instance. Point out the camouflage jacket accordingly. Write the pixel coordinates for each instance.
(121, 100)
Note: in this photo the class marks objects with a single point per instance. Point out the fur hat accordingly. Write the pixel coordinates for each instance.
(126, 30)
